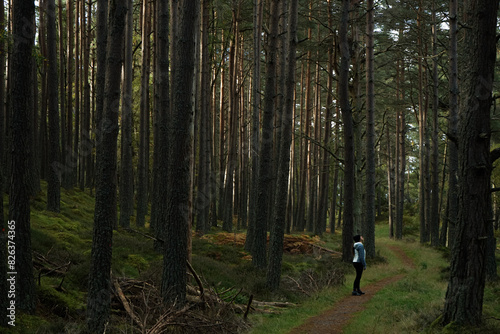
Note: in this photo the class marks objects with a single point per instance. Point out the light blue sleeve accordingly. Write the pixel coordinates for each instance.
(361, 251)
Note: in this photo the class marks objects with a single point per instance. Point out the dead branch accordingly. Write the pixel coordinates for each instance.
(197, 279)
(126, 305)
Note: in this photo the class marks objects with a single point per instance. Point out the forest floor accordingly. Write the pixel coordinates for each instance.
(335, 319)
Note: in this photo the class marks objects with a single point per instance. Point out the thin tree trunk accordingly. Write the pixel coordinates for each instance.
(54, 184)
(348, 199)
(204, 187)
(422, 122)
(453, 126)
(370, 135)
(254, 139)
(162, 150)
(126, 167)
(434, 221)
(62, 90)
(70, 159)
(143, 159)
(390, 183)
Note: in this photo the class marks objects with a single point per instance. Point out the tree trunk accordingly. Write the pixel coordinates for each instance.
(53, 177)
(62, 90)
(370, 136)
(21, 107)
(254, 140)
(464, 297)
(105, 215)
(278, 230)
(390, 183)
(86, 150)
(205, 187)
(434, 221)
(4, 285)
(422, 122)
(400, 150)
(70, 159)
(162, 150)
(177, 221)
(453, 126)
(143, 159)
(266, 144)
(76, 134)
(345, 106)
(126, 167)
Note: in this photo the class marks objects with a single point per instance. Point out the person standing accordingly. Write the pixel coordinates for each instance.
(359, 263)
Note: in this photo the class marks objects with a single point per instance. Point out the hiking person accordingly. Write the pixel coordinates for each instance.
(359, 263)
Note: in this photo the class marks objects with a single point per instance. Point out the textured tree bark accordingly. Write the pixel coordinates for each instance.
(453, 127)
(434, 205)
(266, 144)
(4, 302)
(126, 167)
(143, 160)
(105, 214)
(278, 230)
(464, 297)
(177, 225)
(370, 135)
(23, 31)
(345, 106)
(53, 177)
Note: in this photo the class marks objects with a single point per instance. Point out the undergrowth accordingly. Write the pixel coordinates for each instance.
(62, 245)
(312, 283)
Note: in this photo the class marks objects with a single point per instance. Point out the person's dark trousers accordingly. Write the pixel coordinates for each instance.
(359, 271)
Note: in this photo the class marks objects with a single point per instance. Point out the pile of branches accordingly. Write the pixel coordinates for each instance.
(292, 244)
(311, 281)
(141, 303)
(207, 310)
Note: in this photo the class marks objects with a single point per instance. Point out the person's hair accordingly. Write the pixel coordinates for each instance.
(356, 238)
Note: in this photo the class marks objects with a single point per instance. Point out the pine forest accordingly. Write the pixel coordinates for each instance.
(202, 166)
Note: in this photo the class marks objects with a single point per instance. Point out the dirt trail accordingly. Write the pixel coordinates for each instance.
(334, 320)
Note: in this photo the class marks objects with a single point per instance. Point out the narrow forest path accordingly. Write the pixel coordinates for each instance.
(335, 319)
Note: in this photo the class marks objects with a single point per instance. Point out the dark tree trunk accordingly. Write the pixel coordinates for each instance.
(105, 215)
(370, 136)
(21, 112)
(254, 139)
(278, 230)
(158, 209)
(348, 224)
(126, 167)
(205, 187)
(177, 221)
(143, 163)
(4, 286)
(53, 177)
(434, 205)
(266, 145)
(70, 159)
(453, 127)
(464, 297)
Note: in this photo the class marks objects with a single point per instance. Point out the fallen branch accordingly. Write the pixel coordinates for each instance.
(126, 305)
(197, 279)
(326, 249)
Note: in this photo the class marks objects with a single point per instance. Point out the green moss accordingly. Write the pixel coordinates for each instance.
(63, 304)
